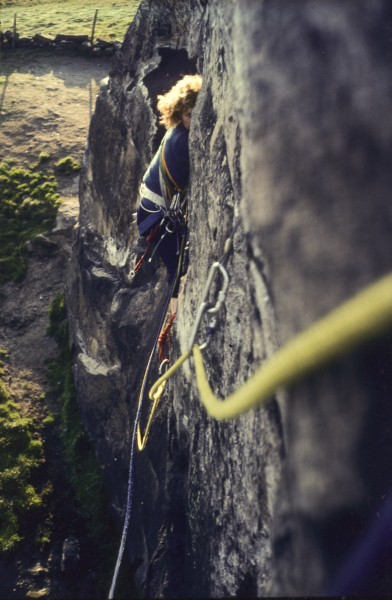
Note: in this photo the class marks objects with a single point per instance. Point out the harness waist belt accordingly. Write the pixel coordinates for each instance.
(146, 193)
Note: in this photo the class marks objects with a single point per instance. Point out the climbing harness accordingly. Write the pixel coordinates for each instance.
(171, 222)
(166, 213)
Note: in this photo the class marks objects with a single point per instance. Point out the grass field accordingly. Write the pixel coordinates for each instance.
(68, 17)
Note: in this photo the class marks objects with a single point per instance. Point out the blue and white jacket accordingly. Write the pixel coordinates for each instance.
(176, 157)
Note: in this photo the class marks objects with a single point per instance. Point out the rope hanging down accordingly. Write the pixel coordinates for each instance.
(136, 433)
(358, 320)
(162, 333)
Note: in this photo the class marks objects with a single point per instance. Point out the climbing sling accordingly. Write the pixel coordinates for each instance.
(168, 185)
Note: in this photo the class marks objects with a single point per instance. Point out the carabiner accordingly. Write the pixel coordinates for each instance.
(205, 306)
(142, 439)
(168, 228)
(165, 363)
(222, 292)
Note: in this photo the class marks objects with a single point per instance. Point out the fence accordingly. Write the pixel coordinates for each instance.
(82, 44)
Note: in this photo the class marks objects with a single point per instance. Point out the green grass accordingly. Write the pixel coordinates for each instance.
(28, 207)
(21, 497)
(26, 487)
(69, 17)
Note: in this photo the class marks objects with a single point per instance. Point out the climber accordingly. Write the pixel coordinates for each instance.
(167, 175)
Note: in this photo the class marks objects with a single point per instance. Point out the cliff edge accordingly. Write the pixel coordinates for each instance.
(290, 156)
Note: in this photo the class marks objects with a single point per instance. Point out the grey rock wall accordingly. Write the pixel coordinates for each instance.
(291, 145)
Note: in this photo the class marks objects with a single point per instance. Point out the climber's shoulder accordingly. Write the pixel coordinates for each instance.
(177, 140)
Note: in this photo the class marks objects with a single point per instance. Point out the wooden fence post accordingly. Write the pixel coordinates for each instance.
(93, 29)
(14, 32)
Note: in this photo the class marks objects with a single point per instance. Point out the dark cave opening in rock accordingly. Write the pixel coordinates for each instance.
(173, 65)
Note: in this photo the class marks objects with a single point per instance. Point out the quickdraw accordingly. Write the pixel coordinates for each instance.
(160, 340)
(364, 317)
(164, 361)
(172, 222)
(206, 307)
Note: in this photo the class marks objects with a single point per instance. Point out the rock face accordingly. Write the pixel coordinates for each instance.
(290, 155)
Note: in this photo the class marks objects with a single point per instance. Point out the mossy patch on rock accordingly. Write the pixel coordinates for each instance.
(67, 166)
(20, 459)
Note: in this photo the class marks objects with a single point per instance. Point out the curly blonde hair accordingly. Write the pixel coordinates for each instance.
(178, 99)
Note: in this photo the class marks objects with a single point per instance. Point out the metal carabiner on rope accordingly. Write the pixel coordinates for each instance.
(205, 305)
(163, 365)
(142, 439)
(168, 224)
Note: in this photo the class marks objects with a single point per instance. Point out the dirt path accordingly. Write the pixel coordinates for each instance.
(46, 103)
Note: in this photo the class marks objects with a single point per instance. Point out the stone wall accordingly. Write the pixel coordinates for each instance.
(290, 147)
(79, 44)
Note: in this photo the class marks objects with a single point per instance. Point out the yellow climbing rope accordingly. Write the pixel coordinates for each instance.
(360, 319)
